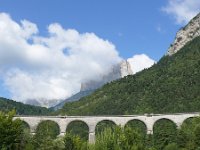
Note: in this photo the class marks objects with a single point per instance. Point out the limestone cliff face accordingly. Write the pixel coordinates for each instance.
(125, 68)
(186, 34)
(118, 71)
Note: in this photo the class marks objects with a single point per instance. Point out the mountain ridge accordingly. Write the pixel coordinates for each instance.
(22, 109)
(185, 34)
(172, 85)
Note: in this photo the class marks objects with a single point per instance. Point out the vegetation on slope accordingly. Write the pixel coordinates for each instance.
(22, 109)
(170, 86)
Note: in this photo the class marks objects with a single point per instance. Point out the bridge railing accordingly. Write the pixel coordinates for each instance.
(146, 114)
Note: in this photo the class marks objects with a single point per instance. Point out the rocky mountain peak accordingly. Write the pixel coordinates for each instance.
(185, 34)
(118, 71)
(125, 68)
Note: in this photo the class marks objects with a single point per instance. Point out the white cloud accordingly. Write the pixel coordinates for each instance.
(140, 62)
(41, 68)
(182, 10)
(49, 69)
(29, 28)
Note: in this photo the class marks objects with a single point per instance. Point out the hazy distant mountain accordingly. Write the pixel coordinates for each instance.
(87, 88)
(45, 103)
(75, 97)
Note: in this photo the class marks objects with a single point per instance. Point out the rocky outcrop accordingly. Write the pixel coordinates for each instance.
(186, 34)
(125, 69)
(119, 71)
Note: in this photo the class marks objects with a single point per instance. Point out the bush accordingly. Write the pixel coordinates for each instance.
(74, 142)
(172, 146)
(119, 139)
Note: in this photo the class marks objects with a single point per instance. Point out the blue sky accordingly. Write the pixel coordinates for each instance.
(48, 47)
(131, 25)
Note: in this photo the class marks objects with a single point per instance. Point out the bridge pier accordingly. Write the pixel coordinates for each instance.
(149, 131)
(149, 124)
(92, 126)
(62, 125)
(91, 139)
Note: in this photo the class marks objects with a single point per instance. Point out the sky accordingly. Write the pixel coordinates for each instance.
(47, 48)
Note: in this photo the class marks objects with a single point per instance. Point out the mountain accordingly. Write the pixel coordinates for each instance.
(73, 98)
(186, 34)
(32, 102)
(118, 71)
(48, 103)
(170, 86)
(22, 109)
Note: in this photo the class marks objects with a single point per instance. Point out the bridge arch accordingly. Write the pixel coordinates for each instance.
(78, 127)
(104, 123)
(106, 120)
(137, 124)
(191, 120)
(50, 126)
(171, 119)
(187, 119)
(26, 125)
(164, 131)
(136, 119)
(78, 120)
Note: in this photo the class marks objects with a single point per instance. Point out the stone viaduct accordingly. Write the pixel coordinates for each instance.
(63, 121)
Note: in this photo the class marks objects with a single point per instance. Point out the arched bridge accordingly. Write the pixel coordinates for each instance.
(63, 121)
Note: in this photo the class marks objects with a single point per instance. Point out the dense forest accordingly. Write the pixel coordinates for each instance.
(7, 105)
(170, 86)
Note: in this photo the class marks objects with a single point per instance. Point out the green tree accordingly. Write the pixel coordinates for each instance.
(189, 135)
(164, 133)
(46, 133)
(197, 135)
(172, 146)
(105, 124)
(74, 142)
(78, 128)
(119, 139)
(7, 105)
(11, 131)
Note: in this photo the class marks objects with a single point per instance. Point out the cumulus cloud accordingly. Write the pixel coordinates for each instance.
(50, 68)
(182, 10)
(140, 62)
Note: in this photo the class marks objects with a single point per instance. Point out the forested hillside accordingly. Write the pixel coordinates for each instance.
(170, 86)
(22, 109)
